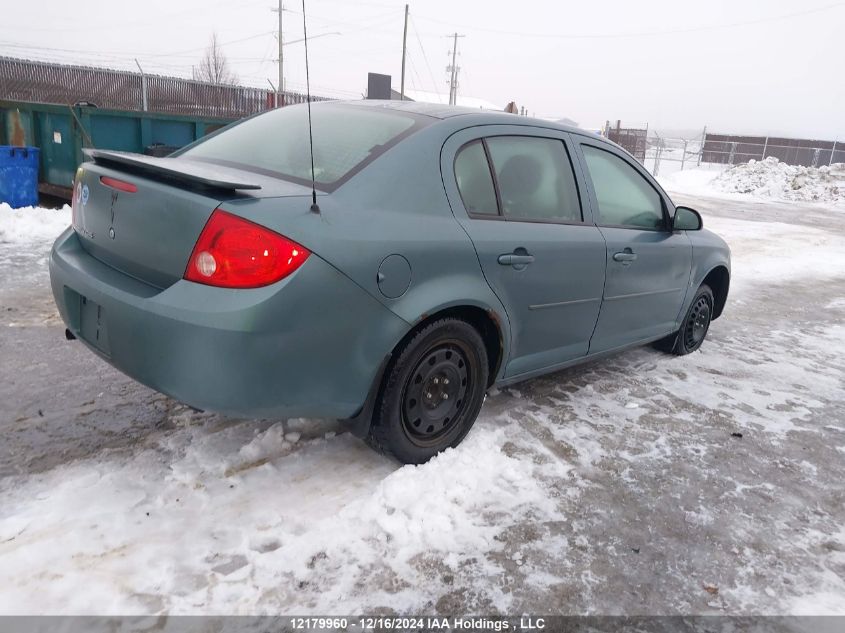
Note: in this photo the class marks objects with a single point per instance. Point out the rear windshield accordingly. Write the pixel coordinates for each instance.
(346, 139)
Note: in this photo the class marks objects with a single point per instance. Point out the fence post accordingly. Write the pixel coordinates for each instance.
(657, 157)
(701, 147)
(143, 86)
(832, 152)
(684, 155)
(765, 147)
(731, 155)
(816, 157)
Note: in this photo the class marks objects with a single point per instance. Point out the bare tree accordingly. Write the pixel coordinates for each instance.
(214, 67)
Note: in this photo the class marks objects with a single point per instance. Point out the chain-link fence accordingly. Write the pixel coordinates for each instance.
(633, 139)
(673, 154)
(42, 82)
(666, 154)
(733, 149)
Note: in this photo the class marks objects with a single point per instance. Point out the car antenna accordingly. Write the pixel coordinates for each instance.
(315, 208)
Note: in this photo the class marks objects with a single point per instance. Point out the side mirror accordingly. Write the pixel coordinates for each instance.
(687, 219)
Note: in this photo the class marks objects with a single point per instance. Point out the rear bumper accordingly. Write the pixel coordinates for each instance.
(309, 345)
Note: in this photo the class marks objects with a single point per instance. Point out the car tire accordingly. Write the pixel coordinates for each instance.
(431, 393)
(694, 327)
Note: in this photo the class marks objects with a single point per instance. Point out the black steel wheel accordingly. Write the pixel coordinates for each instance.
(435, 393)
(695, 326)
(432, 392)
(697, 323)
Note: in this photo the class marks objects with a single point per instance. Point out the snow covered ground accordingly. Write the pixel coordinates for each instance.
(31, 225)
(768, 179)
(641, 484)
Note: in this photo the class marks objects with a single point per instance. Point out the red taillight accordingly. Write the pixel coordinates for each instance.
(235, 253)
(120, 185)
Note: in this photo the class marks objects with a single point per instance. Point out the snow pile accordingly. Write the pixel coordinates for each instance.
(695, 181)
(31, 224)
(771, 178)
(446, 505)
(304, 528)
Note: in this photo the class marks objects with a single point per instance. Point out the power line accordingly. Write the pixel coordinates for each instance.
(413, 72)
(380, 22)
(18, 45)
(94, 57)
(360, 3)
(130, 24)
(606, 36)
(373, 22)
(425, 57)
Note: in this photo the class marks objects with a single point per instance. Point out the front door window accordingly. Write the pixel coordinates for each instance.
(625, 198)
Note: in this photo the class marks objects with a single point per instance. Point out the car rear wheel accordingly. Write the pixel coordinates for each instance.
(695, 326)
(431, 393)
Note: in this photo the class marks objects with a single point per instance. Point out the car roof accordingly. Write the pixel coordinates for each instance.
(440, 111)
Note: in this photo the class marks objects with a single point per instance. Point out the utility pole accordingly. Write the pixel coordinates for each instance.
(280, 95)
(453, 81)
(404, 48)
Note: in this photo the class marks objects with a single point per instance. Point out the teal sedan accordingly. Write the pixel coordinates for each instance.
(449, 250)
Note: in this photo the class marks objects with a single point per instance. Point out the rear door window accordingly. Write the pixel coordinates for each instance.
(535, 179)
(625, 198)
(475, 183)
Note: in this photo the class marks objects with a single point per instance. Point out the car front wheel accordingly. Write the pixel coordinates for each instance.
(431, 393)
(695, 326)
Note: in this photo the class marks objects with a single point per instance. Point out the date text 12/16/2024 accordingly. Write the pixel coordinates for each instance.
(432, 623)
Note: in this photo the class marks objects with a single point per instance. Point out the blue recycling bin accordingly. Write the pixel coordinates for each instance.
(19, 176)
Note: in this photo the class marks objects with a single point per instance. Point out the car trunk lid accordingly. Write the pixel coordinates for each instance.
(143, 215)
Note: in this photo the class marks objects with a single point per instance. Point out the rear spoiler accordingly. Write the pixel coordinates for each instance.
(179, 169)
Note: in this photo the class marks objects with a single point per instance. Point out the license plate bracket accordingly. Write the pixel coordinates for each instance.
(92, 324)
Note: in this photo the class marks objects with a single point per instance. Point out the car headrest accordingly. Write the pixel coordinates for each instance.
(520, 175)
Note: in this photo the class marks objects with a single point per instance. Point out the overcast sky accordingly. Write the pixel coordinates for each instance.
(753, 66)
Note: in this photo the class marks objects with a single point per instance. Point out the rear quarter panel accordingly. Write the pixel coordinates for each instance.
(397, 205)
(308, 345)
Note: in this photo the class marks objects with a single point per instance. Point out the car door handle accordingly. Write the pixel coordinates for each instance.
(515, 259)
(625, 256)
